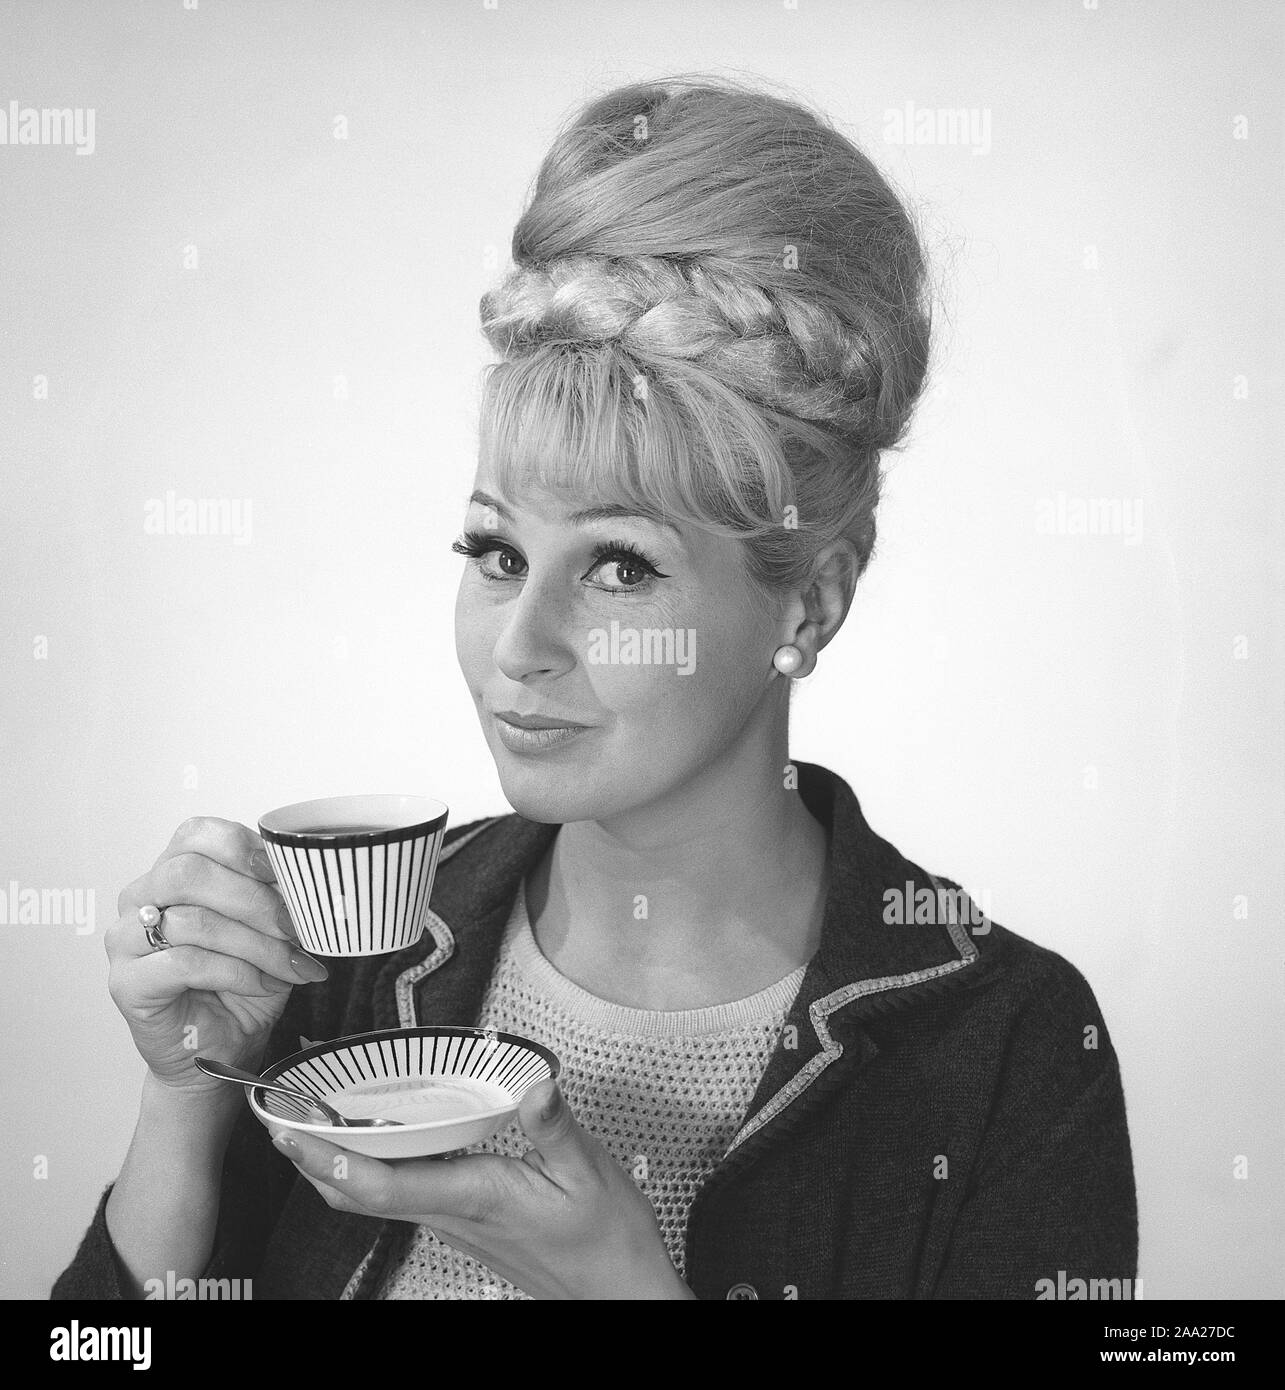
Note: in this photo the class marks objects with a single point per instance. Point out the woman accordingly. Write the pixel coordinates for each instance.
(795, 1065)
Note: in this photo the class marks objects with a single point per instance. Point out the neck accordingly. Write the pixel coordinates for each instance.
(708, 897)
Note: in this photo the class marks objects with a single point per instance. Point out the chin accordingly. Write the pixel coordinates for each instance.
(541, 790)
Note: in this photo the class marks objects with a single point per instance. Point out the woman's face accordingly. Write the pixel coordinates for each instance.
(662, 654)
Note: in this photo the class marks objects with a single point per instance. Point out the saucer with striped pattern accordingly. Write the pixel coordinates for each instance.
(448, 1087)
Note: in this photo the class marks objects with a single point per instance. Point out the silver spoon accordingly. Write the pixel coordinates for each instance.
(248, 1078)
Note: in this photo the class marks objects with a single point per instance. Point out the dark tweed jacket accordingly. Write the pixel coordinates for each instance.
(936, 1122)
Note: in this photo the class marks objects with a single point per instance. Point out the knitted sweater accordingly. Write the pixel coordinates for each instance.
(665, 1092)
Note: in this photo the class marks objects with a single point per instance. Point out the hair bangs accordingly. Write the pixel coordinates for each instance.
(665, 439)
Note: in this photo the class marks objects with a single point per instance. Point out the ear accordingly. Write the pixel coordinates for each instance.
(818, 608)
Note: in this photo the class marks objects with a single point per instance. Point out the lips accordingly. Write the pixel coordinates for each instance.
(545, 737)
(536, 721)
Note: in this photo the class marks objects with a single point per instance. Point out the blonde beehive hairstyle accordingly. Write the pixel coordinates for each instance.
(718, 313)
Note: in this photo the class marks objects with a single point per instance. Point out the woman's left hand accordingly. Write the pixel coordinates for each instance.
(563, 1221)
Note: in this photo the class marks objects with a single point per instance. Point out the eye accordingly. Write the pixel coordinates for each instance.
(477, 545)
(632, 571)
(624, 559)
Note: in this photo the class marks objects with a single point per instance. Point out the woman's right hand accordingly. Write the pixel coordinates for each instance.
(233, 956)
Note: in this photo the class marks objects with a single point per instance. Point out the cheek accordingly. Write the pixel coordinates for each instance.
(473, 643)
(714, 681)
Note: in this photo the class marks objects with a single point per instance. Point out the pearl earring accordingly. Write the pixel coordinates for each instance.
(787, 660)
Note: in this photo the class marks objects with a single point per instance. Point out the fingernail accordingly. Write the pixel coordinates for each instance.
(286, 922)
(307, 968)
(552, 1105)
(260, 862)
(283, 1140)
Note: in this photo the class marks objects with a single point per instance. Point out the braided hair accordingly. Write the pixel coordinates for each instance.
(718, 312)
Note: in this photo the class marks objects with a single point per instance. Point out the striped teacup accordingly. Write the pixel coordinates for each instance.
(356, 871)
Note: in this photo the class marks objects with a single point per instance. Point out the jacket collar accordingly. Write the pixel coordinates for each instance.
(865, 963)
(891, 935)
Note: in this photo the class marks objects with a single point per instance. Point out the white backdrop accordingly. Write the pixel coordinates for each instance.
(260, 285)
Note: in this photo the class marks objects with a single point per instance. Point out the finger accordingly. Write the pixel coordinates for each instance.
(336, 1172)
(227, 842)
(161, 975)
(188, 925)
(547, 1121)
(333, 1197)
(195, 878)
(464, 1188)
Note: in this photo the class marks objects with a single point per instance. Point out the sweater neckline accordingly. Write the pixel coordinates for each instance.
(768, 1005)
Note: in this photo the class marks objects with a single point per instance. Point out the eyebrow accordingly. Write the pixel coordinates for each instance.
(606, 512)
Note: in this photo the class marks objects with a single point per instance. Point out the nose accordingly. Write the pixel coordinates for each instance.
(535, 639)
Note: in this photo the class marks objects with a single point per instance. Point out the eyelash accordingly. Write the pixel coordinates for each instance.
(478, 544)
